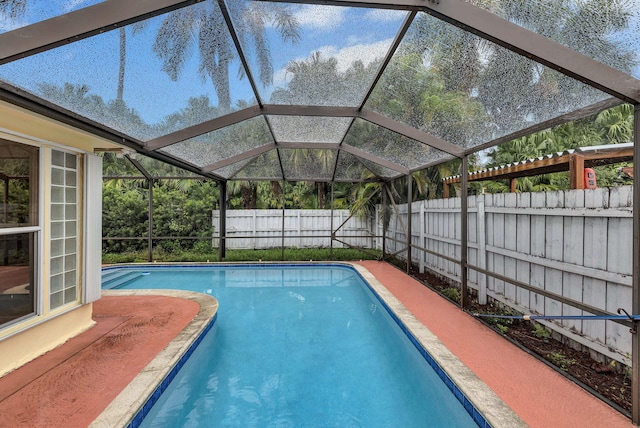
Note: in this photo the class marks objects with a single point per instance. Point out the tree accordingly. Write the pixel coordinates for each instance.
(243, 194)
(513, 90)
(122, 45)
(611, 126)
(198, 110)
(318, 81)
(114, 114)
(204, 23)
(587, 26)
(615, 125)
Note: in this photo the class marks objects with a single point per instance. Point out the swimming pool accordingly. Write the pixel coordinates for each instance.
(300, 345)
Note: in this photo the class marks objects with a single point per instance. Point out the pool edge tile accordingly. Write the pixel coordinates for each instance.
(485, 408)
(133, 403)
(488, 408)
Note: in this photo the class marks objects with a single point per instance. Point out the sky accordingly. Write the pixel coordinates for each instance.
(346, 34)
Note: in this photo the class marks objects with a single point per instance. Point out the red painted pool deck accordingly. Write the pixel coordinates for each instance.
(71, 385)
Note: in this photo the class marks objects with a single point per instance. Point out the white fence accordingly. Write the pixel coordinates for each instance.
(577, 244)
(257, 229)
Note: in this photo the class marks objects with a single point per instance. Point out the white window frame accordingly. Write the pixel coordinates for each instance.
(78, 219)
(38, 303)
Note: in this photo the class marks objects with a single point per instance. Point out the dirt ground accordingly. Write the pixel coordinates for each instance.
(603, 380)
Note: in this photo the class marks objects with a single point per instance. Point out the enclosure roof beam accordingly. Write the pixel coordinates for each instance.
(139, 167)
(80, 24)
(238, 46)
(369, 116)
(410, 132)
(433, 163)
(306, 110)
(35, 105)
(375, 159)
(536, 47)
(379, 4)
(246, 114)
(548, 124)
(239, 157)
(203, 128)
(311, 146)
(387, 59)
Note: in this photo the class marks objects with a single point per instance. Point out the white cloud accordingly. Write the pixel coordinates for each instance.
(321, 18)
(367, 53)
(280, 78)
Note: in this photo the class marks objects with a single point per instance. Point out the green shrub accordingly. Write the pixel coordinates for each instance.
(541, 332)
(203, 252)
(452, 293)
(560, 360)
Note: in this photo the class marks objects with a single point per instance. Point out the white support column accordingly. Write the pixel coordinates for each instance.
(92, 278)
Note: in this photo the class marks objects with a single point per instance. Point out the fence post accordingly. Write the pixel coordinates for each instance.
(283, 217)
(635, 344)
(464, 224)
(299, 229)
(409, 215)
(222, 222)
(150, 236)
(423, 254)
(377, 228)
(482, 251)
(331, 224)
(384, 216)
(254, 228)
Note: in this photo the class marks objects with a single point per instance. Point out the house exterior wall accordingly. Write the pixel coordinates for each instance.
(61, 314)
(33, 341)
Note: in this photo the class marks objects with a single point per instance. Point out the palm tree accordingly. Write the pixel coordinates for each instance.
(122, 36)
(245, 194)
(123, 60)
(616, 124)
(204, 23)
(586, 26)
(505, 82)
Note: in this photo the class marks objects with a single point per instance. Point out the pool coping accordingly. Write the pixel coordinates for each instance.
(129, 404)
(464, 384)
(494, 410)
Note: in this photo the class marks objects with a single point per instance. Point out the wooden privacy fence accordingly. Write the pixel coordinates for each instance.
(258, 229)
(576, 244)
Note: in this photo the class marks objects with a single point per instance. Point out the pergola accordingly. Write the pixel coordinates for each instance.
(574, 161)
(232, 90)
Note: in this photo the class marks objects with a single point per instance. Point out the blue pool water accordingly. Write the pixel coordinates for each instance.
(298, 346)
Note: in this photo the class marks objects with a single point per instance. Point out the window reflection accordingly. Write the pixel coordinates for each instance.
(17, 297)
(18, 185)
(18, 209)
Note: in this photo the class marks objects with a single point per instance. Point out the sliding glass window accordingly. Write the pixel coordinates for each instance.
(19, 229)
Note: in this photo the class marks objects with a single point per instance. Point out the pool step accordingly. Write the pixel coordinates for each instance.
(118, 277)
